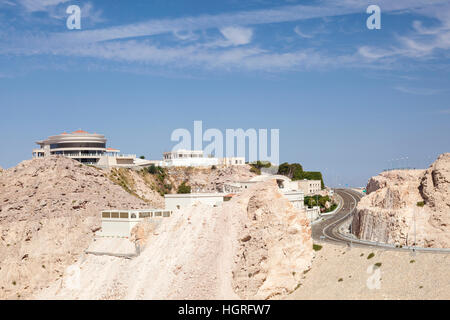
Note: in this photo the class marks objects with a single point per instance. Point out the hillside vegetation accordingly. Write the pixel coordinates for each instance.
(295, 171)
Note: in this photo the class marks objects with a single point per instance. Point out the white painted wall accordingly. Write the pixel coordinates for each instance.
(121, 227)
(184, 201)
(191, 162)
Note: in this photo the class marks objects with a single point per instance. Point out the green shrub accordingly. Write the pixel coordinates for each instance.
(256, 166)
(371, 255)
(378, 264)
(295, 171)
(152, 169)
(213, 167)
(255, 170)
(317, 247)
(420, 203)
(184, 188)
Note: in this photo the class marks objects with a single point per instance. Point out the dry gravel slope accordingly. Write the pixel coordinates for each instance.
(255, 246)
(346, 274)
(49, 210)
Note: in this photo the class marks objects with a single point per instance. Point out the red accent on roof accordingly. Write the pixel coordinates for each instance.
(64, 133)
(80, 131)
(112, 149)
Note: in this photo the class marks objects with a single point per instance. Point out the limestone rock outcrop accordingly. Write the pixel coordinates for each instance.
(255, 246)
(275, 245)
(207, 179)
(49, 211)
(403, 206)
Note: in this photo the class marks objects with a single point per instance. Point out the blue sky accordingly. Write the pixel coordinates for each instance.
(347, 100)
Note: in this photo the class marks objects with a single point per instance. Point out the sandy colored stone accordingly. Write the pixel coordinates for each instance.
(275, 244)
(141, 232)
(401, 275)
(49, 211)
(199, 254)
(390, 212)
(207, 179)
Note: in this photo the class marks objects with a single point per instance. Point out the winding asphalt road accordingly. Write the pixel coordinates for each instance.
(328, 229)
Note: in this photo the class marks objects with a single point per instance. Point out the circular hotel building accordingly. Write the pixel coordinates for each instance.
(79, 145)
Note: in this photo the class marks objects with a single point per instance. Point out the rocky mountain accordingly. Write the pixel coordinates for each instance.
(255, 246)
(151, 187)
(275, 244)
(403, 206)
(49, 211)
(207, 179)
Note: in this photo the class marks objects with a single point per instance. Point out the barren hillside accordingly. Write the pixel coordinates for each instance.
(340, 273)
(404, 205)
(207, 179)
(152, 187)
(49, 210)
(256, 246)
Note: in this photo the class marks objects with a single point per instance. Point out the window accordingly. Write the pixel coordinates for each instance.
(124, 215)
(106, 214)
(114, 215)
(178, 207)
(166, 214)
(144, 214)
(133, 216)
(158, 214)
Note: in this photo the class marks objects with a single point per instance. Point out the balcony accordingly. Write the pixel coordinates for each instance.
(79, 154)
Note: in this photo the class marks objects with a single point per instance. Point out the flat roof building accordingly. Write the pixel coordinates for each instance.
(188, 158)
(310, 187)
(196, 158)
(119, 223)
(183, 201)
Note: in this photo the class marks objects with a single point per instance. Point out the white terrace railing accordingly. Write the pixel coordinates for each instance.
(135, 214)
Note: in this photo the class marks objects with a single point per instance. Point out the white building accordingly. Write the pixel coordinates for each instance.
(287, 187)
(184, 201)
(187, 158)
(119, 223)
(85, 147)
(232, 161)
(196, 158)
(309, 187)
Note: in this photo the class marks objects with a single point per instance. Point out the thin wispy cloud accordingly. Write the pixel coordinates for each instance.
(237, 35)
(231, 42)
(301, 33)
(39, 5)
(327, 8)
(418, 91)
